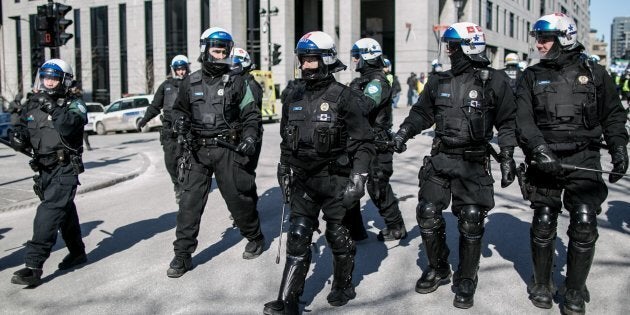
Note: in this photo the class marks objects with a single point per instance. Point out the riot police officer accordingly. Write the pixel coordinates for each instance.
(163, 101)
(51, 125)
(326, 149)
(512, 69)
(565, 103)
(243, 66)
(216, 116)
(367, 59)
(465, 103)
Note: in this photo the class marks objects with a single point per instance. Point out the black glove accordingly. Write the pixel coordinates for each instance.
(18, 141)
(355, 189)
(284, 179)
(46, 104)
(247, 146)
(182, 125)
(619, 155)
(508, 166)
(141, 123)
(545, 160)
(399, 140)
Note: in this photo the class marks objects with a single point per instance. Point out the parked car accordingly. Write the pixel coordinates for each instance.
(5, 120)
(124, 115)
(94, 112)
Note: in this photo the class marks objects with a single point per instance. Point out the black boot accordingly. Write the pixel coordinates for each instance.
(541, 289)
(439, 271)
(254, 248)
(27, 276)
(392, 233)
(72, 260)
(466, 282)
(353, 221)
(342, 288)
(291, 288)
(579, 260)
(179, 266)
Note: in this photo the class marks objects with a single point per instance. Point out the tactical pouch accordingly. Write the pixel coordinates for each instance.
(37, 187)
(77, 164)
(589, 115)
(293, 137)
(322, 139)
(476, 125)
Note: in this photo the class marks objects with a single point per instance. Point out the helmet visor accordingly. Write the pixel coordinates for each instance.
(545, 45)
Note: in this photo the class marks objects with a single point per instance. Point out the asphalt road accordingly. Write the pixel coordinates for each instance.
(128, 230)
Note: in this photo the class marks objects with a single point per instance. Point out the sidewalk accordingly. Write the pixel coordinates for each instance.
(104, 167)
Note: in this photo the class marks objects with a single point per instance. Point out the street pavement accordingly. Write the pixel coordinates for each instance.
(128, 230)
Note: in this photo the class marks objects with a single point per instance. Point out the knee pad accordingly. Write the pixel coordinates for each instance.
(471, 221)
(428, 216)
(299, 236)
(583, 226)
(545, 223)
(339, 239)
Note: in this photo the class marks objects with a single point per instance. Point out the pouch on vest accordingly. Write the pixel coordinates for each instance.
(322, 139)
(209, 119)
(293, 137)
(476, 119)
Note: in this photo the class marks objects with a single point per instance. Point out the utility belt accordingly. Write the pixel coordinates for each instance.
(472, 153)
(341, 166)
(47, 162)
(566, 149)
(231, 136)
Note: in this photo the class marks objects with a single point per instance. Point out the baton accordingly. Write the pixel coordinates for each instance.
(285, 180)
(7, 143)
(571, 167)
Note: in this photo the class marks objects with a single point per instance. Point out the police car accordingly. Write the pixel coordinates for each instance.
(5, 120)
(94, 111)
(124, 115)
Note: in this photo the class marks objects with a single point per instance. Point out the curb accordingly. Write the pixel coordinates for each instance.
(81, 190)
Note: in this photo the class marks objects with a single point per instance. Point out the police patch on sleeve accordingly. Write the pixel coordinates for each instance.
(82, 108)
(372, 89)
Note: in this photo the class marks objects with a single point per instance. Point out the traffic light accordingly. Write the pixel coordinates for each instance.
(61, 37)
(45, 25)
(275, 55)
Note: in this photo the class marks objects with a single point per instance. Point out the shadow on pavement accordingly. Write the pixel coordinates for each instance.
(4, 230)
(619, 216)
(16, 258)
(138, 141)
(105, 161)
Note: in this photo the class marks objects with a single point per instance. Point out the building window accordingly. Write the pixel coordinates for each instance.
(511, 24)
(77, 45)
(253, 30)
(100, 54)
(37, 53)
(148, 50)
(18, 48)
(175, 30)
(205, 15)
(122, 29)
(488, 15)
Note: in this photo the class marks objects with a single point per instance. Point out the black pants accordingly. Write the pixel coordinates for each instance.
(86, 140)
(56, 212)
(172, 152)
(312, 192)
(236, 184)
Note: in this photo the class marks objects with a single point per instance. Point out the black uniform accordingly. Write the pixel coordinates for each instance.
(565, 106)
(257, 93)
(56, 140)
(163, 101)
(514, 73)
(326, 137)
(222, 110)
(464, 109)
(375, 86)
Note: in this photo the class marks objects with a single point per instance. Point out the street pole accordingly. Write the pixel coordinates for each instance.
(269, 35)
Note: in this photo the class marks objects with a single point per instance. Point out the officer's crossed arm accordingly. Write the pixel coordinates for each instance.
(70, 120)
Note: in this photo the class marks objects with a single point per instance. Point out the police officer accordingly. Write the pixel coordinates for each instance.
(393, 82)
(216, 115)
(326, 149)
(565, 104)
(512, 69)
(51, 124)
(465, 103)
(367, 59)
(243, 66)
(163, 101)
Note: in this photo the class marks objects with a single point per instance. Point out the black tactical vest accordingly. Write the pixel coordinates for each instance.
(513, 73)
(45, 139)
(564, 102)
(214, 107)
(464, 116)
(170, 95)
(314, 124)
